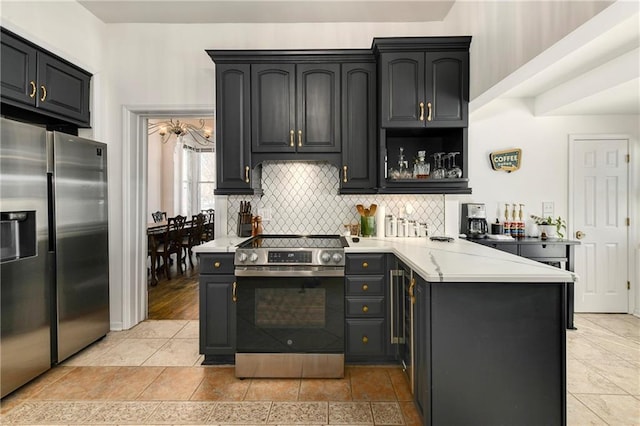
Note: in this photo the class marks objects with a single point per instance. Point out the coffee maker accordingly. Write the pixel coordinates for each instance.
(474, 220)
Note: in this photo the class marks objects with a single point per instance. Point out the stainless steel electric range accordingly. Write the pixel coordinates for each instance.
(290, 306)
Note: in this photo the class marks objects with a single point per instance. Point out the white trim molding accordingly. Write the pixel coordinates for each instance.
(134, 202)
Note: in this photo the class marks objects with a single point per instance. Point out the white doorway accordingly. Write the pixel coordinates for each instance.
(134, 202)
(599, 214)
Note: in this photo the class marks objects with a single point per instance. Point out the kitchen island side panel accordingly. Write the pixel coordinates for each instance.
(498, 351)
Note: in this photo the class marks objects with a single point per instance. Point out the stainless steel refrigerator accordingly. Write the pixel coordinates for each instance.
(54, 265)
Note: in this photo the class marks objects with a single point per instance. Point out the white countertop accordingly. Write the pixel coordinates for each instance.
(456, 261)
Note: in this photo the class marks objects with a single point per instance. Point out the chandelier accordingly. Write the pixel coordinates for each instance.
(167, 129)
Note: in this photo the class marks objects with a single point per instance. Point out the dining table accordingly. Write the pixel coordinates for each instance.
(155, 236)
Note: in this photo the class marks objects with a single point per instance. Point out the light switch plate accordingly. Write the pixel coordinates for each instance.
(265, 213)
(547, 208)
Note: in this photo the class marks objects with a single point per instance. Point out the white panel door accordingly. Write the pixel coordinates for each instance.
(599, 199)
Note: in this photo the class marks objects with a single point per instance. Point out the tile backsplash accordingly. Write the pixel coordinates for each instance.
(303, 199)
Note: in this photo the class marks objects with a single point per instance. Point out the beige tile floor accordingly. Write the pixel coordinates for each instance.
(151, 374)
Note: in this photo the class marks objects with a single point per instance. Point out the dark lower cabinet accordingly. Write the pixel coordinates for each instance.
(367, 337)
(490, 353)
(39, 81)
(422, 346)
(217, 309)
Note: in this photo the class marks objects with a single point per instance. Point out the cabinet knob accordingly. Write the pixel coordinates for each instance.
(365, 265)
(44, 93)
(365, 309)
(290, 137)
(428, 111)
(580, 235)
(365, 339)
(421, 104)
(216, 265)
(365, 287)
(34, 89)
(299, 137)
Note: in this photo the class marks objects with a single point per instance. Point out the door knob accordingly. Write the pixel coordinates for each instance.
(580, 235)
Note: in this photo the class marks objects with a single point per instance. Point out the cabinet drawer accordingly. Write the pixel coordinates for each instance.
(509, 248)
(365, 263)
(543, 250)
(365, 307)
(365, 336)
(366, 285)
(216, 263)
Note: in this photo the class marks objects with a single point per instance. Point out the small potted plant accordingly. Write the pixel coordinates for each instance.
(550, 227)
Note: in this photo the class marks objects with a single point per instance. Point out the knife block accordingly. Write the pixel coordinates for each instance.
(244, 225)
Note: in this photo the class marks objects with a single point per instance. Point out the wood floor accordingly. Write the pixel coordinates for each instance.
(175, 298)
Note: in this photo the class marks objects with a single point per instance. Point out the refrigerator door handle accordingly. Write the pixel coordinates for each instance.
(51, 208)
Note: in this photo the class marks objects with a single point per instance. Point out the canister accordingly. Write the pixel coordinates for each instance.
(391, 226)
(401, 227)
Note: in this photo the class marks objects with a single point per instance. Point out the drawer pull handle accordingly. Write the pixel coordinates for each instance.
(365, 309)
(290, 137)
(246, 174)
(344, 174)
(365, 287)
(299, 137)
(365, 339)
(33, 89)
(216, 265)
(429, 109)
(365, 265)
(421, 104)
(234, 292)
(44, 93)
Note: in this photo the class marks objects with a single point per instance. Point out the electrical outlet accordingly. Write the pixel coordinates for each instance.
(547, 209)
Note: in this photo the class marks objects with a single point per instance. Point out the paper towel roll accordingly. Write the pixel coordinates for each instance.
(380, 213)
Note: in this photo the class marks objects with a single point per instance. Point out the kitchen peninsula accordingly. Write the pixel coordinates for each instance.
(487, 341)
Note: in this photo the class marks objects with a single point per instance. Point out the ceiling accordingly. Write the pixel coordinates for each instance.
(267, 11)
(594, 70)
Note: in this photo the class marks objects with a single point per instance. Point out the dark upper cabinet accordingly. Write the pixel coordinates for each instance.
(19, 70)
(424, 82)
(38, 81)
(295, 107)
(423, 90)
(359, 135)
(233, 129)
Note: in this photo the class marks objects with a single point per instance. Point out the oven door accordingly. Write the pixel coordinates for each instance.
(290, 315)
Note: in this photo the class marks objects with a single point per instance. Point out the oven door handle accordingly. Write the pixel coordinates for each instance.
(249, 272)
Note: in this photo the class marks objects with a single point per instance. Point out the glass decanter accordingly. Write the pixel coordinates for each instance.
(421, 168)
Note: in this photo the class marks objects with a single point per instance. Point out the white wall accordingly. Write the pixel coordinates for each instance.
(543, 175)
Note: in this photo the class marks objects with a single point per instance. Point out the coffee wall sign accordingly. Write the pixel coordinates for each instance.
(506, 161)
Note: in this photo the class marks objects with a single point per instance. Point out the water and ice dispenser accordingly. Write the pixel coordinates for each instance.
(17, 235)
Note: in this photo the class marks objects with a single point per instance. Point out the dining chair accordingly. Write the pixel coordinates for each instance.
(194, 236)
(159, 216)
(172, 242)
(209, 228)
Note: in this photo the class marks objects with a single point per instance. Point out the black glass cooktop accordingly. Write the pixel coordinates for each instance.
(295, 241)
